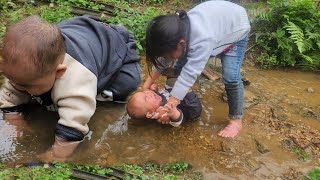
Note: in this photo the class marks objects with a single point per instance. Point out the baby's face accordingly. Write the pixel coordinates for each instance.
(26, 79)
(149, 99)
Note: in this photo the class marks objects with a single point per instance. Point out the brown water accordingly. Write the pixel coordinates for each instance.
(117, 139)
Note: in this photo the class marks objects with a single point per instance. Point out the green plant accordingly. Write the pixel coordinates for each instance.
(303, 155)
(55, 14)
(146, 1)
(79, 3)
(177, 2)
(2, 31)
(169, 177)
(135, 21)
(314, 174)
(150, 167)
(134, 169)
(176, 167)
(95, 169)
(288, 34)
(2, 166)
(59, 171)
(5, 4)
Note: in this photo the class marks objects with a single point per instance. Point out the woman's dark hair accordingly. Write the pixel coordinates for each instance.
(164, 33)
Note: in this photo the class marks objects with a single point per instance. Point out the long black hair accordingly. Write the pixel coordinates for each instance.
(164, 33)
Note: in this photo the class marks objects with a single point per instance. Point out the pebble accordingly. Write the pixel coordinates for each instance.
(201, 123)
(310, 90)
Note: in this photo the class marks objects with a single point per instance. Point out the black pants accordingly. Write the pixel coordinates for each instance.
(128, 78)
(126, 81)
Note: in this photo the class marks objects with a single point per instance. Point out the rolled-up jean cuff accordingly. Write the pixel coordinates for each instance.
(233, 117)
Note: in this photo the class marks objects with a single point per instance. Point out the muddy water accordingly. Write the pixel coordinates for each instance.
(291, 97)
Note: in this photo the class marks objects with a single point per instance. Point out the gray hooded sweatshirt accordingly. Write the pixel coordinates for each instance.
(214, 26)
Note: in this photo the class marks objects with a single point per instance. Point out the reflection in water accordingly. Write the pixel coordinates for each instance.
(8, 142)
(22, 140)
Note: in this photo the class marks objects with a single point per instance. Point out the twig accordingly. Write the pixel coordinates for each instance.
(251, 47)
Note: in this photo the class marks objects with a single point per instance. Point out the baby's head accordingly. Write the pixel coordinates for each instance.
(32, 55)
(142, 105)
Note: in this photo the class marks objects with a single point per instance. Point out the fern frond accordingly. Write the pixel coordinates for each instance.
(264, 16)
(307, 58)
(296, 35)
(313, 36)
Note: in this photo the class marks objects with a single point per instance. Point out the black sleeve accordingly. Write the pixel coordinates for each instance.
(190, 106)
(68, 133)
(19, 108)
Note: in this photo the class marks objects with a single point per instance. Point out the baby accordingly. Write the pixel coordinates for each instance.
(144, 104)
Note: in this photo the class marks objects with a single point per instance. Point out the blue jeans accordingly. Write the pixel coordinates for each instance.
(231, 64)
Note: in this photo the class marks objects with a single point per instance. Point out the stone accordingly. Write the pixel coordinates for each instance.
(252, 164)
(310, 90)
(261, 147)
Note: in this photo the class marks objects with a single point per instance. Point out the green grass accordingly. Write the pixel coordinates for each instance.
(314, 174)
(171, 171)
(303, 155)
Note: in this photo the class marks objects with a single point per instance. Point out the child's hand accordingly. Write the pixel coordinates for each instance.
(61, 150)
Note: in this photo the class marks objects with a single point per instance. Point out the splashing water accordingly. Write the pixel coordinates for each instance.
(118, 127)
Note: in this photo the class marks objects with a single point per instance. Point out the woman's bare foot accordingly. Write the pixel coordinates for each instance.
(232, 129)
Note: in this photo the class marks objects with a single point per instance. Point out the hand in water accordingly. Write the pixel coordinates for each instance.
(60, 151)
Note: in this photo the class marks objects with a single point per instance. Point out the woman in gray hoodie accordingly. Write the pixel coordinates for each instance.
(187, 40)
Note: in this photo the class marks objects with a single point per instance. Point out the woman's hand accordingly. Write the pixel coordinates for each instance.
(164, 112)
(172, 112)
(174, 101)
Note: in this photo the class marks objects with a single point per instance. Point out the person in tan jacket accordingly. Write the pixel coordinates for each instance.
(67, 67)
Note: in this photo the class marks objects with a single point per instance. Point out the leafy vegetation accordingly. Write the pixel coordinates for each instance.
(171, 171)
(303, 155)
(79, 3)
(94, 169)
(314, 174)
(135, 21)
(147, 1)
(59, 171)
(288, 34)
(177, 167)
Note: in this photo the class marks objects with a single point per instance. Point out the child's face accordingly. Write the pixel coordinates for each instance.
(149, 99)
(25, 78)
